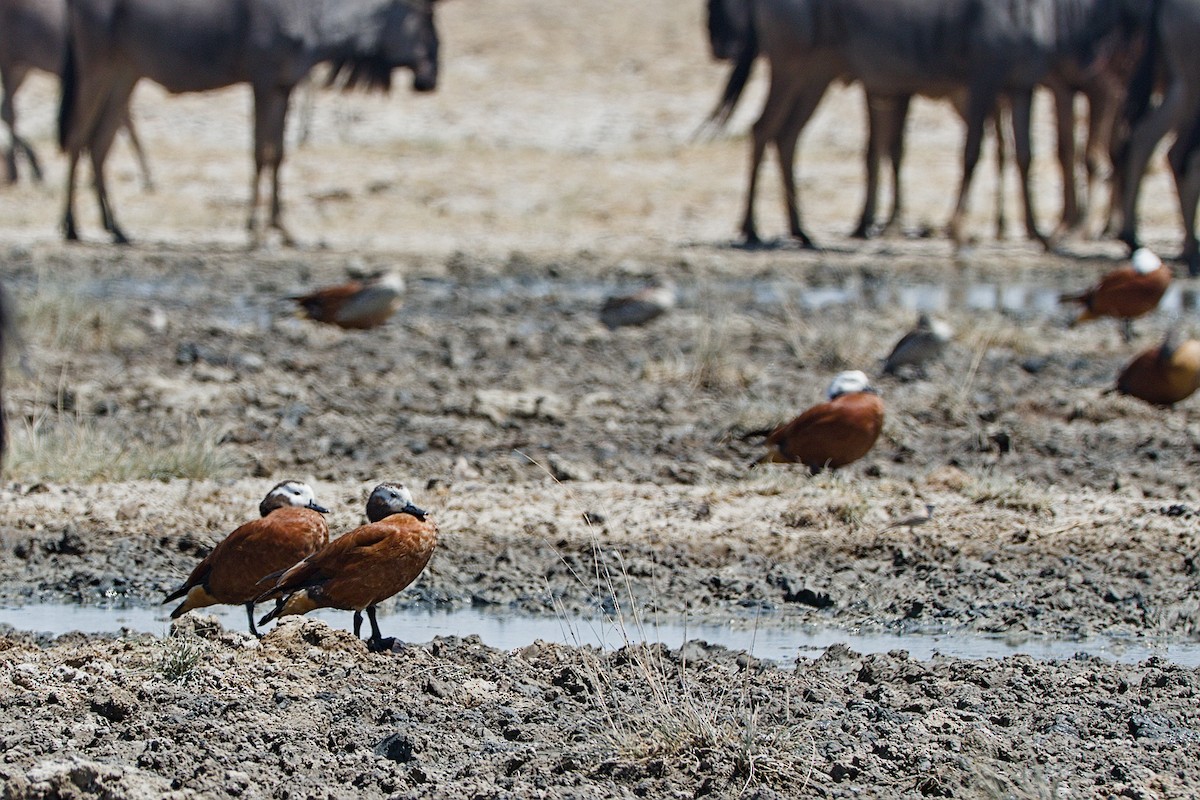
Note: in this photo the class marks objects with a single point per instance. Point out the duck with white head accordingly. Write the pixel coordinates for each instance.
(832, 434)
(291, 527)
(1125, 293)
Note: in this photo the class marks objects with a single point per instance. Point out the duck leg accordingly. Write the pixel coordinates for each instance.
(250, 617)
(377, 643)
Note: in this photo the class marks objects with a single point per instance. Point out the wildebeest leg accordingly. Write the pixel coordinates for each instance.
(136, 142)
(270, 112)
(1103, 104)
(13, 78)
(995, 116)
(101, 187)
(897, 123)
(785, 145)
(886, 118)
(1119, 144)
(1144, 137)
(778, 110)
(1001, 171)
(357, 624)
(9, 115)
(877, 107)
(68, 219)
(980, 102)
(772, 118)
(1064, 112)
(112, 117)
(83, 105)
(1103, 94)
(1184, 158)
(1021, 104)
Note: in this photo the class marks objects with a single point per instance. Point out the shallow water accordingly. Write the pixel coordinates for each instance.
(1013, 298)
(507, 631)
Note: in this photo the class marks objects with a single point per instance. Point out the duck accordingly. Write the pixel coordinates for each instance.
(922, 344)
(1126, 293)
(646, 304)
(290, 527)
(832, 434)
(1163, 375)
(355, 305)
(360, 569)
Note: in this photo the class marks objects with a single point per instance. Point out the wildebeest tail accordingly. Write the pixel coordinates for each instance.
(715, 20)
(371, 73)
(70, 87)
(737, 79)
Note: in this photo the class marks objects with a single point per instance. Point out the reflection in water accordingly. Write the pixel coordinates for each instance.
(509, 630)
(1018, 298)
(870, 293)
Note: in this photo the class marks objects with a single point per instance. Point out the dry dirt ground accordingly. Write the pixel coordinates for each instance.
(571, 469)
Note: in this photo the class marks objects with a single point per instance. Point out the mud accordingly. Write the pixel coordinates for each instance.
(577, 471)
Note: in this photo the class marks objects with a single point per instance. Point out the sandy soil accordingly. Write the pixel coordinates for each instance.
(169, 385)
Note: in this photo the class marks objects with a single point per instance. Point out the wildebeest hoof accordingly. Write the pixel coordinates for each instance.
(750, 241)
(1129, 240)
(750, 245)
(805, 240)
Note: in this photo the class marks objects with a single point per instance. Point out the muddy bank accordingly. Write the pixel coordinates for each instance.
(308, 712)
(563, 460)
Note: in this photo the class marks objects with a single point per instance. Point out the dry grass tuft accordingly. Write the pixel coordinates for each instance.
(65, 448)
(678, 717)
(1014, 494)
(712, 361)
(674, 711)
(1101, 408)
(178, 656)
(1020, 340)
(836, 512)
(834, 351)
(715, 363)
(58, 319)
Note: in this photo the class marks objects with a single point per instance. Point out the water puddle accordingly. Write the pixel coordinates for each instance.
(506, 631)
(868, 293)
(1012, 298)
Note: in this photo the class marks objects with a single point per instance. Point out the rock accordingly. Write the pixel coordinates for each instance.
(502, 407)
(77, 778)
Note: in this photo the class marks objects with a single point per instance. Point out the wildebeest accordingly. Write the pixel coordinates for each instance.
(33, 37)
(905, 47)
(196, 45)
(729, 31)
(1102, 86)
(1170, 61)
(886, 120)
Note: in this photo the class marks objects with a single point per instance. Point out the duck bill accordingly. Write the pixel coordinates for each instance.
(316, 507)
(416, 512)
